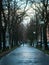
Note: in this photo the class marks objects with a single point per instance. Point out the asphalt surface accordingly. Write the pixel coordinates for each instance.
(25, 55)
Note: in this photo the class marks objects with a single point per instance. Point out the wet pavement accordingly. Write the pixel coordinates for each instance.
(25, 55)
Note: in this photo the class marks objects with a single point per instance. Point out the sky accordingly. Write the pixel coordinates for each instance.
(30, 12)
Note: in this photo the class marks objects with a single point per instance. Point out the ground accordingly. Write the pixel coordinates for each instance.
(25, 55)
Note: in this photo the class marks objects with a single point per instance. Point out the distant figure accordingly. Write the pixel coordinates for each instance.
(18, 43)
(23, 43)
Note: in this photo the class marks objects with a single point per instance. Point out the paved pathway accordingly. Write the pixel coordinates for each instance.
(25, 55)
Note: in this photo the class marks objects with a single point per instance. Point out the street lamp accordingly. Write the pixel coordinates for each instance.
(34, 33)
(42, 24)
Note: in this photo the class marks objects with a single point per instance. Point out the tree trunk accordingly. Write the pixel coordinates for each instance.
(41, 37)
(45, 37)
(0, 31)
(4, 40)
(0, 22)
(0, 41)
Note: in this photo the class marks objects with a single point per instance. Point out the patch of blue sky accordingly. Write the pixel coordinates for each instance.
(22, 3)
(37, 1)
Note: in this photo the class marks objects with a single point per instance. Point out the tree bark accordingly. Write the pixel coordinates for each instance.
(4, 40)
(0, 23)
(45, 37)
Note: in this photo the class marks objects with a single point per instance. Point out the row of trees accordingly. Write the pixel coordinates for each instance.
(42, 16)
(10, 19)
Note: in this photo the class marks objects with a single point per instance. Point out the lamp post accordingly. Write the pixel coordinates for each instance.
(34, 33)
(42, 24)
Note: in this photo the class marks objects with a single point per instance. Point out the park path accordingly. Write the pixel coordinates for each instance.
(25, 55)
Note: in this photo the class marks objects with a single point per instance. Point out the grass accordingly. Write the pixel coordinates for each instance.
(45, 51)
(3, 53)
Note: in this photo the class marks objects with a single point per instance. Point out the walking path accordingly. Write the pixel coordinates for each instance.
(25, 55)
